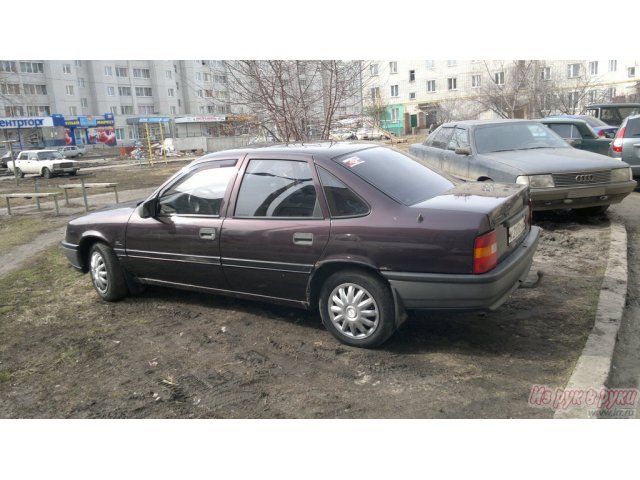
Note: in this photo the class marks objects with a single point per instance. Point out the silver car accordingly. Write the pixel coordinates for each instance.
(526, 152)
(626, 144)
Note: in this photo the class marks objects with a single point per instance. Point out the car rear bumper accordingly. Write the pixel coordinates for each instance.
(580, 197)
(486, 291)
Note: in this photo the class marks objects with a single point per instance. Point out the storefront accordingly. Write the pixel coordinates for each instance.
(199, 125)
(33, 132)
(151, 129)
(91, 130)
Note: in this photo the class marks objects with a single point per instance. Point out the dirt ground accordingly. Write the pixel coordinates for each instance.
(172, 354)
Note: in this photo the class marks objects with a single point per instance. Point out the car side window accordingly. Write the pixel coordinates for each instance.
(278, 188)
(633, 128)
(342, 201)
(440, 138)
(33, 156)
(460, 139)
(199, 193)
(565, 131)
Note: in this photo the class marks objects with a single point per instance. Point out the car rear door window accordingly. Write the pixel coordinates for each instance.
(565, 131)
(278, 188)
(633, 128)
(199, 193)
(342, 201)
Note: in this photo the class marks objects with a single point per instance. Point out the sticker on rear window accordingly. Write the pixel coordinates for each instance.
(352, 161)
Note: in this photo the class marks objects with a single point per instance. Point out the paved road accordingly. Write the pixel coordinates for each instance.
(625, 372)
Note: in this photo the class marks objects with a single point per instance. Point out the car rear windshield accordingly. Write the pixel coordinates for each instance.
(396, 175)
(503, 137)
(593, 121)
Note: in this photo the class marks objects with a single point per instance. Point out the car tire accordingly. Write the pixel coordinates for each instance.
(592, 211)
(357, 308)
(46, 173)
(107, 275)
(79, 155)
(19, 173)
(73, 173)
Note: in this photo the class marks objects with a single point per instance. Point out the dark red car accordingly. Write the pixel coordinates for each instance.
(362, 232)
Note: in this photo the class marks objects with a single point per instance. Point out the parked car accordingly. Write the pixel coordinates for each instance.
(578, 133)
(71, 151)
(361, 232)
(372, 133)
(601, 128)
(626, 145)
(7, 158)
(342, 134)
(613, 113)
(46, 163)
(528, 153)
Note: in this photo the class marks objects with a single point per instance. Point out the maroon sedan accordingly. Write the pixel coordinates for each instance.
(362, 232)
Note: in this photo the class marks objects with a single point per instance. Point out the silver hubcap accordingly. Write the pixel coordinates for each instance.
(353, 311)
(99, 272)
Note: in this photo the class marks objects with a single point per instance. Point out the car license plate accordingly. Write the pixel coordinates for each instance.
(515, 231)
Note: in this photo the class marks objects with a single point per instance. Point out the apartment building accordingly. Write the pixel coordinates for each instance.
(404, 94)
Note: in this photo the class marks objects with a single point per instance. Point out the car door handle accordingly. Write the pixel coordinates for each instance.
(303, 238)
(208, 233)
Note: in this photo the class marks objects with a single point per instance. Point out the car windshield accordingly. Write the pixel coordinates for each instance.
(396, 175)
(49, 155)
(502, 137)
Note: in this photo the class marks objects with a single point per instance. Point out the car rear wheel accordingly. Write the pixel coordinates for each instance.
(46, 173)
(19, 173)
(592, 211)
(357, 308)
(106, 274)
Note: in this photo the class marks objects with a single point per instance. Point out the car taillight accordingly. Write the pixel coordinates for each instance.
(485, 252)
(601, 133)
(616, 146)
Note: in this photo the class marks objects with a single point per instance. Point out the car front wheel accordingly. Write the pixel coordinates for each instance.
(106, 274)
(46, 173)
(357, 308)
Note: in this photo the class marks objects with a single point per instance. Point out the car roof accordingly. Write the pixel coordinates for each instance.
(489, 122)
(42, 150)
(323, 149)
(562, 119)
(599, 105)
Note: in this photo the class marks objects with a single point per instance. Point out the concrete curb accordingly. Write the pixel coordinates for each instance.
(592, 368)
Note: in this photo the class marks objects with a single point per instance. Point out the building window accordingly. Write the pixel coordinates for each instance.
(111, 91)
(592, 96)
(126, 109)
(168, 74)
(78, 63)
(498, 78)
(14, 111)
(84, 103)
(173, 110)
(122, 72)
(69, 89)
(452, 83)
(431, 86)
(610, 93)
(66, 68)
(144, 92)
(395, 114)
(572, 99)
(34, 89)
(593, 68)
(373, 69)
(613, 65)
(412, 75)
(124, 91)
(38, 111)
(452, 63)
(119, 133)
(81, 83)
(573, 70)
(199, 93)
(31, 67)
(113, 109)
(170, 92)
(201, 109)
(429, 63)
(9, 67)
(208, 93)
(546, 73)
(145, 109)
(375, 93)
(412, 95)
(476, 81)
(631, 71)
(198, 76)
(393, 67)
(206, 77)
(211, 109)
(141, 73)
(108, 71)
(394, 90)
(73, 111)
(220, 79)
(10, 88)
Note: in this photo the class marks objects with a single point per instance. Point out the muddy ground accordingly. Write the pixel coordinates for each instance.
(167, 353)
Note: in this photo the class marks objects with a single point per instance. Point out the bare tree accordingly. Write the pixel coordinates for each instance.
(290, 96)
(507, 91)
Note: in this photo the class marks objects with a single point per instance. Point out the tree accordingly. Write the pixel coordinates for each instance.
(290, 98)
(507, 90)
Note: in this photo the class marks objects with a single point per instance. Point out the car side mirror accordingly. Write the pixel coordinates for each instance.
(149, 208)
(463, 151)
(574, 142)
